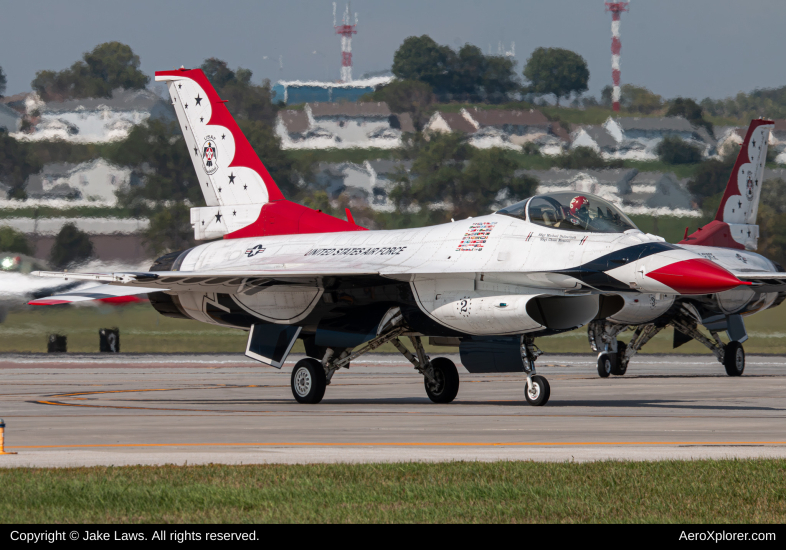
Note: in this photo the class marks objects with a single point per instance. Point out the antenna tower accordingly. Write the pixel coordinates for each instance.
(345, 30)
(616, 8)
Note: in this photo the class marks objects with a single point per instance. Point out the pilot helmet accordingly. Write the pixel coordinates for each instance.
(579, 205)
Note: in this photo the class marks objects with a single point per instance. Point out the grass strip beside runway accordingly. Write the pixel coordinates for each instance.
(736, 491)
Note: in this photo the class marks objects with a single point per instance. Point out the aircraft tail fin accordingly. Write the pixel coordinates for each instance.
(242, 198)
(734, 225)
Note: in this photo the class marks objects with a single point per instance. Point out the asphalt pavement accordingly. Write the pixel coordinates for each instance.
(102, 409)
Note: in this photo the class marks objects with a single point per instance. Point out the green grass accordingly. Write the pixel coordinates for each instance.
(142, 330)
(679, 170)
(670, 228)
(725, 491)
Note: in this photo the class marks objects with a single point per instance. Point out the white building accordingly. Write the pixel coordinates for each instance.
(94, 120)
(342, 126)
(506, 129)
(638, 137)
(94, 181)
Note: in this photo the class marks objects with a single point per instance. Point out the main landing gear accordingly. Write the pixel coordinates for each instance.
(614, 356)
(310, 377)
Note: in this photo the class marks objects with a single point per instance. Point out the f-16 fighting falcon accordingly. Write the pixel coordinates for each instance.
(490, 285)
(727, 241)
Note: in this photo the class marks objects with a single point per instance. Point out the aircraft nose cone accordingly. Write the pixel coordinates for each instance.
(696, 276)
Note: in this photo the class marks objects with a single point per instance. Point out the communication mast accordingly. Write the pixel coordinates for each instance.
(345, 30)
(616, 8)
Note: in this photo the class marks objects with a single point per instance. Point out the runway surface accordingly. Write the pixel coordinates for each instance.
(81, 410)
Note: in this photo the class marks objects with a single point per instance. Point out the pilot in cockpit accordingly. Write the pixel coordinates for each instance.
(579, 211)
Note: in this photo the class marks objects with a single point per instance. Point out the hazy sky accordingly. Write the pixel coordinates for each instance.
(693, 48)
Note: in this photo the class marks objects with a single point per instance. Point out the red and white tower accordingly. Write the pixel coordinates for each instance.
(616, 8)
(345, 30)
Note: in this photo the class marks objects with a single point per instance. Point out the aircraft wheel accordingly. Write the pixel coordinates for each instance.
(308, 381)
(734, 359)
(605, 365)
(540, 392)
(618, 369)
(447, 381)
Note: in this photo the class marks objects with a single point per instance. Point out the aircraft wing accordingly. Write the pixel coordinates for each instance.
(774, 282)
(231, 281)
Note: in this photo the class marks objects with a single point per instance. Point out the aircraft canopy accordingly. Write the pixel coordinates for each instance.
(571, 211)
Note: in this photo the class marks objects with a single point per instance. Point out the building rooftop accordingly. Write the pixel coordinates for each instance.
(369, 109)
(672, 123)
(121, 100)
(499, 117)
(363, 83)
(600, 136)
(458, 123)
(296, 122)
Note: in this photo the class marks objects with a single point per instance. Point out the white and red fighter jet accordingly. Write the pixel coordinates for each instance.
(490, 285)
(728, 241)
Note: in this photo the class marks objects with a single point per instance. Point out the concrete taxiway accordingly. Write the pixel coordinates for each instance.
(81, 410)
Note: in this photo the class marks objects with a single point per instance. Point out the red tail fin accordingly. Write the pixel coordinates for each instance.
(242, 198)
(734, 225)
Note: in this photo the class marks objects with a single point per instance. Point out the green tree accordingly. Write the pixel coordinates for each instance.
(107, 67)
(639, 99)
(468, 72)
(689, 109)
(420, 58)
(17, 162)
(500, 77)
(156, 152)
(283, 168)
(445, 168)
(14, 241)
(770, 103)
(710, 179)
(170, 228)
(245, 100)
(556, 71)
(584, 158)
(674, 150)
(3, 81)
(772, 220)
(72, 246)
(407, 96)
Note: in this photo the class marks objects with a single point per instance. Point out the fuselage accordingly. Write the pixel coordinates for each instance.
(491, 267)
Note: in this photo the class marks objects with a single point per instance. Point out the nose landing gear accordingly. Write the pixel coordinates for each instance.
(537, 390)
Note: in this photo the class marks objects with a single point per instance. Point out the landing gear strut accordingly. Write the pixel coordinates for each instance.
(440, 376)
(310, 377)
(537, 390)
(614, 356)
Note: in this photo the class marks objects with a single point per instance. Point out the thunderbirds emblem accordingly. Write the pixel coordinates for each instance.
(210, 156)
(749, 190)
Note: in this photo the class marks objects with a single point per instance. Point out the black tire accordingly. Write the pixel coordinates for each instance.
(734, 359)
(605, 365)
(308, 381)
(617, 367)
(541, 391)
(447, 379)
